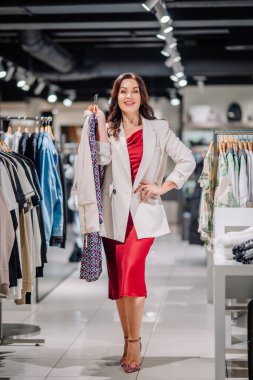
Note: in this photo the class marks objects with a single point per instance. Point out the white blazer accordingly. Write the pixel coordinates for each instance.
(118, 197)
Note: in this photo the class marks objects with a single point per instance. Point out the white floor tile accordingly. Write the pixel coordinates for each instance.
(26, 367)
(80, 378)
(32, 352)
(82, 329)
(27, 377)
(96, 368)
(177, 368)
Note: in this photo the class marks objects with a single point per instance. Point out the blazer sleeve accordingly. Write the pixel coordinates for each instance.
(104, 152)
(84, 186)
(183, 158)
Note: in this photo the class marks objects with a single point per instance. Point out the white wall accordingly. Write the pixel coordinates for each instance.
(164, 110)
(219, 98)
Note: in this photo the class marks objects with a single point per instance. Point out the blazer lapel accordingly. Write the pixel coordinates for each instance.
(122, 146)
(149, 139)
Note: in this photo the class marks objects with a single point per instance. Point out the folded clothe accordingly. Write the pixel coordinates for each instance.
(244, 246)
(230, 239)
(243, 253)
(225, 253)
(231, 243)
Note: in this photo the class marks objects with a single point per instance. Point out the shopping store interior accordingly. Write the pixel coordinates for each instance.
(196, 58)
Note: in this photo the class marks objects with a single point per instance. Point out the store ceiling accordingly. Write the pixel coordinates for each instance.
(102, 39)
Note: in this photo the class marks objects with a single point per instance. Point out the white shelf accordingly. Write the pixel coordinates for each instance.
(212, 125)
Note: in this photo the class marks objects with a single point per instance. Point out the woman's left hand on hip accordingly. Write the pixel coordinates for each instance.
(148, 190)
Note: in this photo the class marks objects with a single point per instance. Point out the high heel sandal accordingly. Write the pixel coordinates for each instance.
(123, 358)
(132, 367)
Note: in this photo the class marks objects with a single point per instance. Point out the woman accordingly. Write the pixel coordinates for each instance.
(134, 146)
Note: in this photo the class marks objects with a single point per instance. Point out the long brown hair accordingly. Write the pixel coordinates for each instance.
(115, 114)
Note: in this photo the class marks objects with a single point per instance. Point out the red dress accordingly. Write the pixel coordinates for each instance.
(126, 261)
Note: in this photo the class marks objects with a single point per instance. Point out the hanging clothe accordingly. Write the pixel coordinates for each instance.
(46, 165)
(229, 186)
(22, 197)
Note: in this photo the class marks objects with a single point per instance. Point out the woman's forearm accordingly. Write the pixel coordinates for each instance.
(167, 186)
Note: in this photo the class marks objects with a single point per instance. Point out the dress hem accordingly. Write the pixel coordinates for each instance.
(127, 295)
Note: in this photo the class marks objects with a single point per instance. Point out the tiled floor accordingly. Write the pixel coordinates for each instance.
(82, 331)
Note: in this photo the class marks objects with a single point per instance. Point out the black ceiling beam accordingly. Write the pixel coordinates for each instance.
(207, 23)
(115, 25)
(54, 25)
(72, 9)
(145, 68)
(218, 67)
(209, 4)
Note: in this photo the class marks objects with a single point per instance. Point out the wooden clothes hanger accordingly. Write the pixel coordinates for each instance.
(49, 129)
(235, 144)
(222, 144)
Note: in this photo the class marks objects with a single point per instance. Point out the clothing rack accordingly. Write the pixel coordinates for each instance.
(216, 132)
(238, 132)
(14, 329)
(38, 119)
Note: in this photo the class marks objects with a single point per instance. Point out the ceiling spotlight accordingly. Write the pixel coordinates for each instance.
(172, 44)
(68, 101)
(30, 79)
(10, 71)
(180, 74)
(168, 29)
(161, 36)
(21, 79)
(182, 82)
(40, 87)
(2, 73)
(174, 78)
(165, 19)
(26, 87)
(174, 100)
(168, 62)
(2, 69)
(52, 97)
(177, 59)
(165, 53)
(161, 13)
(21, 83)
(149, 4)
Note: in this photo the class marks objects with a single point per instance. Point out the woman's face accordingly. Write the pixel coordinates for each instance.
(129, 97)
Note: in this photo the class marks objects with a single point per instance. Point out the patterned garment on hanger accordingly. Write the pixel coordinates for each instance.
(91, 264)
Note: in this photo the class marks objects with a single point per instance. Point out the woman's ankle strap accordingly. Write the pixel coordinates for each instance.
(134, 340)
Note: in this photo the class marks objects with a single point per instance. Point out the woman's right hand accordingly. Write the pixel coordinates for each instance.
(99, 114)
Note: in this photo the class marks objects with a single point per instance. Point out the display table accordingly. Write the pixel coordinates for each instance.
(231, 280)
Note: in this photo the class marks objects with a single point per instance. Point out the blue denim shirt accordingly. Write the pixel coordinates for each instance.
(46, 165)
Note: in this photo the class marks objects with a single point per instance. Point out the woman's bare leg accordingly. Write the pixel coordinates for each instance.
(134, 311)
(124, 321)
